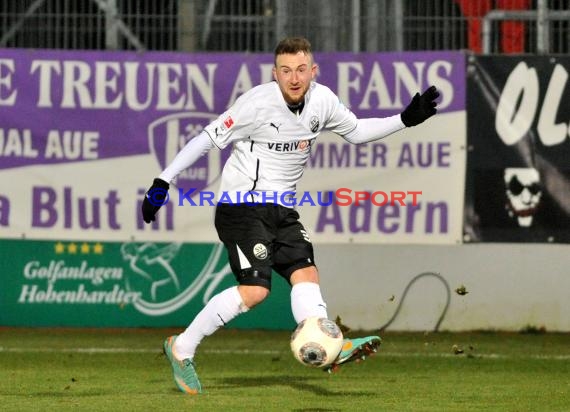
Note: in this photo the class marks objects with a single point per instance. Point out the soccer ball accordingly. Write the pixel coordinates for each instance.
(316, 342)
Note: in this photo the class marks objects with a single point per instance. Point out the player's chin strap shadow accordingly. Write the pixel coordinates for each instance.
(415, 279)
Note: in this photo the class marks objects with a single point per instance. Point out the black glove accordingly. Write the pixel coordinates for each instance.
(420, 108)
(156, 196)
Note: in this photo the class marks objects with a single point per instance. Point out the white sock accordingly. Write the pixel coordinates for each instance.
(306, 301)
(219, 310)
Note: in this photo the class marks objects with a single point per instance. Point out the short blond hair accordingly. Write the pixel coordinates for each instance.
(293, 45)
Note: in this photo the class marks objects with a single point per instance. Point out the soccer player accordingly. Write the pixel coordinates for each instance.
(261, 237)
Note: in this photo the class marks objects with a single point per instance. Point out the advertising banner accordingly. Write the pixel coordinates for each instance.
(82, 135)
(518, 173)
(121, 284)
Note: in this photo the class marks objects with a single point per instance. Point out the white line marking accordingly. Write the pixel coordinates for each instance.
(95, 350)
(132, 350)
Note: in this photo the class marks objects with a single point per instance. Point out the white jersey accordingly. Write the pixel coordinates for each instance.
(271, 143)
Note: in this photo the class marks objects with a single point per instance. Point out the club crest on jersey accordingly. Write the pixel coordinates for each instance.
(168, 134)
(314, 124)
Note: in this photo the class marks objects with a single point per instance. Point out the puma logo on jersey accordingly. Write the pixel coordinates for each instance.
(290, 147)
(275, 126)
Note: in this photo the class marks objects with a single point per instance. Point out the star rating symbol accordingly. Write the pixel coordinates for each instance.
(74, 248)
(59, 248)
(85, 248)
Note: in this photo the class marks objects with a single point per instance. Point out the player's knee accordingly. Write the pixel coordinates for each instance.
(252, 295)
(305, 274)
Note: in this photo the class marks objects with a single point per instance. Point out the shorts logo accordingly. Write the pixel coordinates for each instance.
(260, 251)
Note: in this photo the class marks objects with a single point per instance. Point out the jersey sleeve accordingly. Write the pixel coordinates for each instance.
(344, 122)
(192, 151)
(340, 120)
(236, 123)
(369, 130)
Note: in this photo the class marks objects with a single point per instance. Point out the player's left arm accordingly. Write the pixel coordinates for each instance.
(421, 108)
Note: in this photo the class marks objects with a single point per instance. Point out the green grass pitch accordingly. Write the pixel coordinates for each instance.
(125, 370)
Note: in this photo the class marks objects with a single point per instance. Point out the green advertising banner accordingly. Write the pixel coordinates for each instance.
(129, 284)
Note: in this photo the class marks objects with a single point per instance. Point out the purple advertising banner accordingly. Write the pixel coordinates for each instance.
(107, 122)
(105, 99)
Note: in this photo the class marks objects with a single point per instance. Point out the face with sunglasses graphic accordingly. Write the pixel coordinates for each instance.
(524, 192)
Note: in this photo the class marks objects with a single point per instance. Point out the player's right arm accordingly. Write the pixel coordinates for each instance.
(229, 126)
(156, 194)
